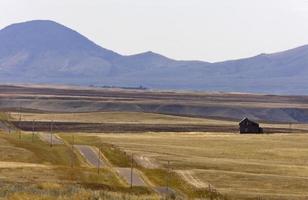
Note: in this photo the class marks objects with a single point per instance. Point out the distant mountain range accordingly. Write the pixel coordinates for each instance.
(46, 52)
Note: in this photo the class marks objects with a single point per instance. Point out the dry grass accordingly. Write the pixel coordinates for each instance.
(142, 118)
(51, 191)
(116, 117)
(242, 166)
(3, 116)
(120, 158)
(28, 161)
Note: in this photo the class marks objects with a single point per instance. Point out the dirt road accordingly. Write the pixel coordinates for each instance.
(50, 138)
(190, 178)
(146, 162)
(90, 155)
(4, 126)
(126, 174)
(21, 165)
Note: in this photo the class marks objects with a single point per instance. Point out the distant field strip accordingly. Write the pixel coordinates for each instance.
(115, 117)
(139, 122)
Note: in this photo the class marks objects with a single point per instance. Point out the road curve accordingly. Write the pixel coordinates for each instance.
(50, 138)
(90, 155)
(126, 174)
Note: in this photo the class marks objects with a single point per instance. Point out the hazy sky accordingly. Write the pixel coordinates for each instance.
(211, 30)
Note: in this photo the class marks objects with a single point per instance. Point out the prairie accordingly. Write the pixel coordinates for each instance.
(196, 133)
(239, 166)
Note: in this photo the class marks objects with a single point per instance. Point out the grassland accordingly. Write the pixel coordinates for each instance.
(242, 167)
(145, 118)
(270, 166)
(31, 169)
(116, 117)
(120, 158)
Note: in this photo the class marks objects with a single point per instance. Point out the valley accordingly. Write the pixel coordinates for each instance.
(91, 148)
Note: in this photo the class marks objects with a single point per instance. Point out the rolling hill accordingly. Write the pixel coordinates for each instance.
(43, 51)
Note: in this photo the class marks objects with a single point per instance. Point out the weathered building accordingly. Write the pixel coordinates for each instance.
(247, 126)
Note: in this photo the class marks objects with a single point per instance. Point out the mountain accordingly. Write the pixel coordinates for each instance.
(44, 51)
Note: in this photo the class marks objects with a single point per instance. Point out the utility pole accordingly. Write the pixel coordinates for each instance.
(19, 123)
(73, 141)
(290, 126)
(51, 124)
(210, 190)
(98, 161)
(33, 128)
(131, 172)
(167, 180)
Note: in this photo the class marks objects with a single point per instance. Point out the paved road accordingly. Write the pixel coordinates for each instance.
(90, 155)
(54, 139)
(164, 191)
(4, 126)
(126, 174)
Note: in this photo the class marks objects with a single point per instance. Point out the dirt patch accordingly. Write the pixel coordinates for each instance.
(21, 165)
(190, 178)
(146, 162)
(51, 138)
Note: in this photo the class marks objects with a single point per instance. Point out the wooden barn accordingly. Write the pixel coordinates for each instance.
(247, 126)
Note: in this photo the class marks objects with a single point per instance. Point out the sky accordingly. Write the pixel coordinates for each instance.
(208, 30)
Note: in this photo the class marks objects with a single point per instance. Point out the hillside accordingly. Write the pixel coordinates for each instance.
(217, 105)
(47, 52)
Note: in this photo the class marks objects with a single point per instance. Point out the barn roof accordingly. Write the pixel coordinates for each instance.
(246, 119)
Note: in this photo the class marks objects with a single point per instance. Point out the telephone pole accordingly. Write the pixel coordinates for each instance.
(51, 124)
(33, 128)
(73, 141)
(98, 161)
(131, 171)
(167, 180)
(19, 123)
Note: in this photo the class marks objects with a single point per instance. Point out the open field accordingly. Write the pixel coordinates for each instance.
(242, 167)
(115, 117)
(31, 169)
(196, 132)
(138, 122)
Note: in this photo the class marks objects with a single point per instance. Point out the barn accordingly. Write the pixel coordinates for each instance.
(247, 126)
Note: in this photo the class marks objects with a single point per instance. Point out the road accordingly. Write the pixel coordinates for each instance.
(4, 126)
(90, 155)
(126, 174)
(164, 191)
(50, 139)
